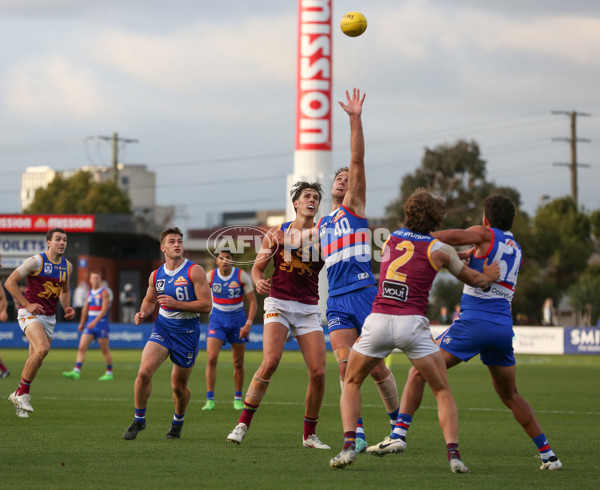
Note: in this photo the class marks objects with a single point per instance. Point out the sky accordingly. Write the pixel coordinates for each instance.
(208, 91)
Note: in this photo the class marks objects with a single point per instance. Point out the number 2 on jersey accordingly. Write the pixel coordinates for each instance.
(392, 271)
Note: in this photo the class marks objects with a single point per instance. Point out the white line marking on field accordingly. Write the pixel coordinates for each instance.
(366, 405)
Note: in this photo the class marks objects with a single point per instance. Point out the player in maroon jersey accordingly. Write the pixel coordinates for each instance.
(411, 258)
(292, 306)
(47, 283)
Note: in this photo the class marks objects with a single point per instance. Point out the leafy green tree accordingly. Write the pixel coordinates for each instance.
(456, 173)
(585, 295)
(80, 194)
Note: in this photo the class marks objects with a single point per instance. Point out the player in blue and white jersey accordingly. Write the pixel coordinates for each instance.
(345, 242)
(228, 323)
(93, 324)
(485, 325)
(180, 290)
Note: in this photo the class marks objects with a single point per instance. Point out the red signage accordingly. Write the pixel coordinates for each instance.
(41, 223)
(313, 104)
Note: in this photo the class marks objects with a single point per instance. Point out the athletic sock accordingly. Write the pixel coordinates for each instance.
(210, 395)
(3, 367)
(543, 447)
(23, 388)
(177, 419)
(237, 395)
(402, 426)
(247, 414)
(452, 450)
(140, 415)
(109, 369)
(77, 367)
(360, 430)
(310, 426)
(394, 418)
(349, 439)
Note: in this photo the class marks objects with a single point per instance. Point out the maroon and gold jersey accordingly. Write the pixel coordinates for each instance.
(296, 275)
(407, 273)
(45, 285)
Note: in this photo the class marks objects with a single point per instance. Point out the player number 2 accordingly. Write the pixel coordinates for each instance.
(392, 272)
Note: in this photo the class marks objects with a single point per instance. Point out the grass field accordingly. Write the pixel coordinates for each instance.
(74, 437)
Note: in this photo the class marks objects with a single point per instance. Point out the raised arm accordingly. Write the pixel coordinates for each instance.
(356, 197)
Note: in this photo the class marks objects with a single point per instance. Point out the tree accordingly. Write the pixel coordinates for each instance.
(457, 174)
(79, 194)
(584, 296)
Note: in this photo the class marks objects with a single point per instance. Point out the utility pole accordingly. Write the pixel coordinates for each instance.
(573, 142)
(115, 151)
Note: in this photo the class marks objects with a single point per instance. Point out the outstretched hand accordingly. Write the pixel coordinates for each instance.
(353, 105)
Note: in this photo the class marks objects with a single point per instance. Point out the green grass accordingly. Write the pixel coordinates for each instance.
(74, 437)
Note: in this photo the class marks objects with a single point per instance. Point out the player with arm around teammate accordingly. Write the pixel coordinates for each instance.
(180, 290)
(228, 323)
(47, 277)
(94, 325)
(345, 242)
(292, 306)
(411, 258)
(485, 325)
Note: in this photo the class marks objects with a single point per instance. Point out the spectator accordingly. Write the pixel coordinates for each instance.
(548, 313)
(456, 312)
(444, 316)
(128, 301)
(80, 294)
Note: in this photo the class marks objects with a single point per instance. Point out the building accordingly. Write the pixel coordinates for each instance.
(135, 180)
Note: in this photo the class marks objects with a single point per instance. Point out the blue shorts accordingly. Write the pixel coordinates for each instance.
(99, 332)
(182, 342)
(226, 327)
(349, 310)
(468, 337)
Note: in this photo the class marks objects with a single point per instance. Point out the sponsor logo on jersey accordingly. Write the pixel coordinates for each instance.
(394, 290)
(160, 286)
(233, 284)
(339, 215)
(47, 268)
(217, 288)
(181, 281)
(363, 275)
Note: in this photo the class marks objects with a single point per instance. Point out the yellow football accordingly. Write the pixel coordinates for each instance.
(353, 24)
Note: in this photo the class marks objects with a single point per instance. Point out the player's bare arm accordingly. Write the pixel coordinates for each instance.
(355, 198)
(148, 303)
(28, 267)
(3, 305)
(479, 235)
(65, 296)
(263, 258)
(203, 301)
(448, 258)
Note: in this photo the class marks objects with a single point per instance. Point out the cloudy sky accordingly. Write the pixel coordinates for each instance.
(208, 90)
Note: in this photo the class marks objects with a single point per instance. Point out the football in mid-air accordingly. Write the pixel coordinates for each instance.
(353, 24)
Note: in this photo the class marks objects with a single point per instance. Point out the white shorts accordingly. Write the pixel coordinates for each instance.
(381, 334)
(299, 318)
(24, 318)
